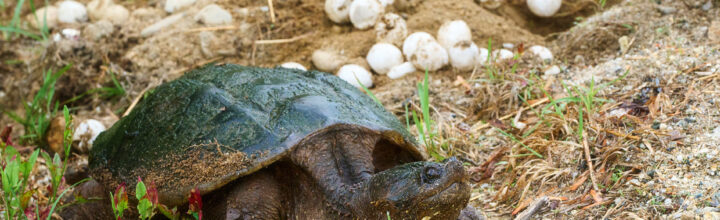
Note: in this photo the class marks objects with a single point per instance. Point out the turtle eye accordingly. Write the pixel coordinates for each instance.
(432, 172)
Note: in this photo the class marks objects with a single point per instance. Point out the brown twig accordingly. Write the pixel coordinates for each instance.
(590, 165)
(218, 28)
(272, 11)
(618, 133)
(136, 100)
(479, 125)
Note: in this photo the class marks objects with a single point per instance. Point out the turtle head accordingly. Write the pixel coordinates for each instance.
(419, 189)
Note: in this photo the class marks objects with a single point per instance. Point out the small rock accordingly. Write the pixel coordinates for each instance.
(508, 46)
(207, 42)
(55, 133)
(72, 12)
(213, 15)
(553, 70)
(707, 6)
(175, 5)
(45, 15)
(71, 33)
(98, 30)
(502, 54)
(665, 10)
(624, 42)
(714, 32)
(107, 10)
(542, 52)
(157, 26)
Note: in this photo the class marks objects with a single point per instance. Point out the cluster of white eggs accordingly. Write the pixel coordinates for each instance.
(420, 50)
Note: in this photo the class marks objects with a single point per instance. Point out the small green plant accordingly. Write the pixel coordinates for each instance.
(602, 3)
(147, 200)
(15, 174)
(13, 28)
(369, 92)
(119, 201)
(195, 202)
(116, 90)
(425, 124)
(512, 137)
(39, 112)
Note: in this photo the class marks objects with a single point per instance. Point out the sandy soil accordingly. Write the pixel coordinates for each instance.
(652, 145)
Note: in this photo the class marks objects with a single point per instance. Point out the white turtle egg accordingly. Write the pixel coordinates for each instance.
(364, 13)
(391, 29)
(337, 10)
(464, 55)
(72, 12)
(410, 44)
(544, 8)
(383, 56)
(293, 65)
(430, 55)
(453, 32)
(355, 75)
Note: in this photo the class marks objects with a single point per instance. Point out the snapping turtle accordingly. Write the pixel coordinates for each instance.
(277, 144)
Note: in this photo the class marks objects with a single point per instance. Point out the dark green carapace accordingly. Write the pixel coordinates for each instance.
(220, 122)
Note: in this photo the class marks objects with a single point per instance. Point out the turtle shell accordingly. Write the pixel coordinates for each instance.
(220, 122)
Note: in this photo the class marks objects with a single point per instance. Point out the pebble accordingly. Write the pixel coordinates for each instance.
(98, 30)
(707, 6)
(665, 10)
(47, 15)
(213, 15)
(157, 26)
(175, 5)
(542, 52)
(553, 70)
(714, 32)
(502, 54)
(107, 10)
(72, 12)
(71, 33)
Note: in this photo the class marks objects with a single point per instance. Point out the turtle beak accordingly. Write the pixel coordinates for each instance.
(455, 169)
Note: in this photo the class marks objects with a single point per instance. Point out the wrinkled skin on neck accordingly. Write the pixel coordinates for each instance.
(413, 191)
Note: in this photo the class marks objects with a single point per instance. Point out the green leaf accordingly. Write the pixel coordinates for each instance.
(140, 190)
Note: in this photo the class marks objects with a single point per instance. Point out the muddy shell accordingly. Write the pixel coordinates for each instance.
(221, 122)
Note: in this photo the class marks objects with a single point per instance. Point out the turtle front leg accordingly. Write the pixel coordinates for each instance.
(470, 213)
(257, 196)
